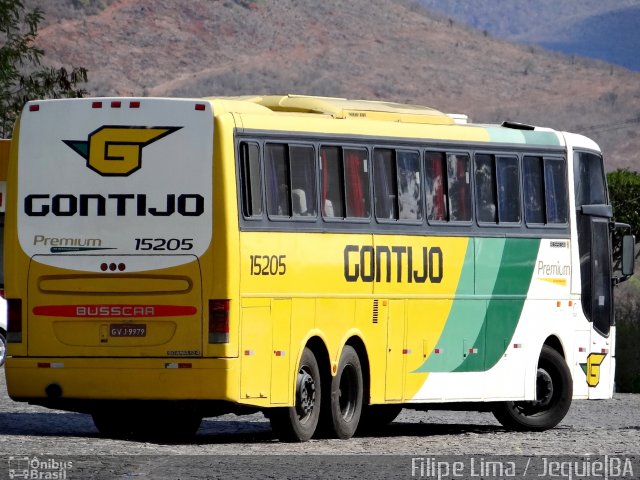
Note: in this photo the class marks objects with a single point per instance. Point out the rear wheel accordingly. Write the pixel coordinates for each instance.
(554, 389)
(298, 423)
(345, 403)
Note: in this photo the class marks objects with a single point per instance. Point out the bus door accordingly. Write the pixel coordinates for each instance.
(593, 215)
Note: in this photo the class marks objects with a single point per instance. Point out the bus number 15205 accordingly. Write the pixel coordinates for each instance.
(268, 264)
(164, 244)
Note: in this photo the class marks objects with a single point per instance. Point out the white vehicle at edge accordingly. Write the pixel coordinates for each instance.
(3, 330)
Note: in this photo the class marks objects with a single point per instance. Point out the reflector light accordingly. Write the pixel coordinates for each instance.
(116, 104)
(34, 108)
(104, 267)
(582, 349)
(473, 350)
(437, 351)
(279, 353)
(406, 351)
(604, 350)
(249, 353)
(219, 321)
(177, 365)
(517, 345)
(50, 365)
(134, 104)
(201, 107)
(96, 105)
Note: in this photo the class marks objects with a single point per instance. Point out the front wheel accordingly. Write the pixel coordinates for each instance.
(554, 389)
(298, 423)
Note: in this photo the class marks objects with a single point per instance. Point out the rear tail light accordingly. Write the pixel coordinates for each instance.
(219, 321)
(14, 321)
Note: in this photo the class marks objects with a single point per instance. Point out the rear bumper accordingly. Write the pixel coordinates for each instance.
(30, 379)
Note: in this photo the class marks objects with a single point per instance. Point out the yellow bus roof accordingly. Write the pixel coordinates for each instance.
(345, 108)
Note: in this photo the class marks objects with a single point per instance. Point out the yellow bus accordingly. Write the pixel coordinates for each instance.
(322, 260)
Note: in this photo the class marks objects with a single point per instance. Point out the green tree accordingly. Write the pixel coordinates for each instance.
(22, 76)
(624, 192)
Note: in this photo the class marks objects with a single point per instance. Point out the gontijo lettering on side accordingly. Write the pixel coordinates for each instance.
(367, 263)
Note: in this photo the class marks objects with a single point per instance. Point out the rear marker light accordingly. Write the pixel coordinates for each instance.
(134, 105)
(249, 353)
(219, 321)
(96, 105)
(438, 351)
(473, 350)
(517, 345)
(406, 351)
(116, 104)
(34, 108)
(582, 349)
(279, 353)
(200, 107)
(604, 350)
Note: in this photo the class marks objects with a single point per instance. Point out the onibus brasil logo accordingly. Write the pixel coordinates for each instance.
(116, 151)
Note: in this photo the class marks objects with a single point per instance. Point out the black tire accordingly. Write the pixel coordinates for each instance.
(345, 400)
(554, 392)
(375, 417)
(298, 423)
(3, 348)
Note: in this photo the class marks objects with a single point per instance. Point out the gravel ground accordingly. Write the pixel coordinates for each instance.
(591, 428)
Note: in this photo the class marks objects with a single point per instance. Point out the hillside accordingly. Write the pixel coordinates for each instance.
(592, 28)
(374, 49)
(610, 36)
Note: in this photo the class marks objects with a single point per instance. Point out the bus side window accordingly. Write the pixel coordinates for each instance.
(436, 186)
(508, 187)
(356, 175)
(277, 180)
(556, 190)
(251, 182)
(303, 181)
(332, 199)
(534, 202)
(486, 189)
(409, 185)
(459, 187)
(386, 188)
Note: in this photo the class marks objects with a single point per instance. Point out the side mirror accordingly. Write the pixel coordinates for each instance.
(628, 255)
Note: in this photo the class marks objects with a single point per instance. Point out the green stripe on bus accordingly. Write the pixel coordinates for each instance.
(503, 314)
(478, 331)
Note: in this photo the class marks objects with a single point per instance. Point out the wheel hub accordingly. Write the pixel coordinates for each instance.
(544, 388)
(306, 393)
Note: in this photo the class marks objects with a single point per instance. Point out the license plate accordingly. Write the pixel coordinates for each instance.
(120, 330)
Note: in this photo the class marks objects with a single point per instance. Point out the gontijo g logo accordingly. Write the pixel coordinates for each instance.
(116, 151)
